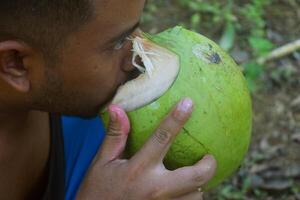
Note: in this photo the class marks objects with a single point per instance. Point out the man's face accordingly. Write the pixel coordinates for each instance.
(94, 62)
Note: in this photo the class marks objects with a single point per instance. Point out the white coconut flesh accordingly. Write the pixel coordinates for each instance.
(159, 71)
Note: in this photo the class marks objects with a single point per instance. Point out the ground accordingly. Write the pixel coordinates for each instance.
(271, 169)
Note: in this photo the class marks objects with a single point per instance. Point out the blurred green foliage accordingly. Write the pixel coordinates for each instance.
(229, 22)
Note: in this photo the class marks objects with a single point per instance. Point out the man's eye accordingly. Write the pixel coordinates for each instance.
(120, 43)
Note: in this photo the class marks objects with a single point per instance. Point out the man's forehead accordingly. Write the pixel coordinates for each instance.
(102, 3)
(110, 19)
(117, 4)
(118, 14)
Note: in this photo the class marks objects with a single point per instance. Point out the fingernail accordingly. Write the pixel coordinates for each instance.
(113, 113)
(113, 116)
(185, 105)
(209, 159)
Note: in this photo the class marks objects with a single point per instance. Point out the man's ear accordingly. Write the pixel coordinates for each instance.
(12, 68)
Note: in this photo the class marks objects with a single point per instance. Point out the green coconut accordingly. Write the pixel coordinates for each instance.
(179, 63)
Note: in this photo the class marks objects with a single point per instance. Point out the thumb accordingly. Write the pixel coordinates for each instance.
(116, 136)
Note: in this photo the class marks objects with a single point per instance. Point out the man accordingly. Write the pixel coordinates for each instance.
(69, 57)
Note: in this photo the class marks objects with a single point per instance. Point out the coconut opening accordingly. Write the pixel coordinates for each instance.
(136, 72)
(152, 78)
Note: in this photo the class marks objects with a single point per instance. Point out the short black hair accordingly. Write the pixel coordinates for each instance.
(43, 24)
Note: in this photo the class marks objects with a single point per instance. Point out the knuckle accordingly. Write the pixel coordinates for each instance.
(116, 139)
(156, 193)
(178, 118)
(162, 136)
(115, 135)
(114, 131)
(198, 177)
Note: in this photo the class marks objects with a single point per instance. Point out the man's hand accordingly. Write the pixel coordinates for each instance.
(144, 176)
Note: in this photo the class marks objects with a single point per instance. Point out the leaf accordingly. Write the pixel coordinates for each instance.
(252, 71)
(195, 20)
(251, 84)
(204, 7)
(227, 39)
(261, 46)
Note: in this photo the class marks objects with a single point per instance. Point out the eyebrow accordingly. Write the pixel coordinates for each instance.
(126, 33)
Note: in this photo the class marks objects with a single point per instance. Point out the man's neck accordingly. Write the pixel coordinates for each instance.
(18, 128)
(14, 124)
(24, 152)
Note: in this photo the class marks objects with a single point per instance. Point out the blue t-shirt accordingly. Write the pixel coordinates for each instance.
(82, 139)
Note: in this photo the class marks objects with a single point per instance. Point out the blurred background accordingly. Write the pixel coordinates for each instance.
(263, 36)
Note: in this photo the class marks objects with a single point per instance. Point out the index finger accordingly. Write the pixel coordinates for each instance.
(155, 149)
